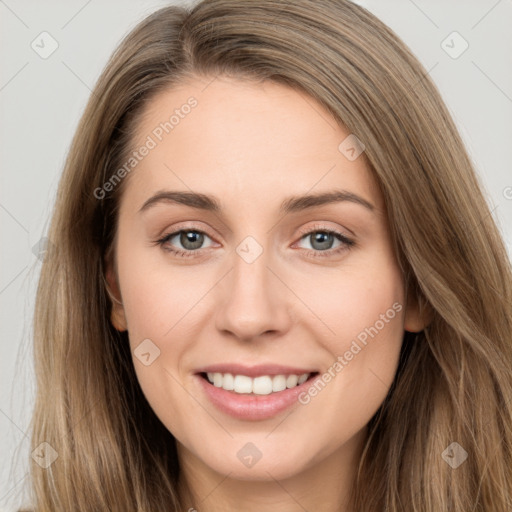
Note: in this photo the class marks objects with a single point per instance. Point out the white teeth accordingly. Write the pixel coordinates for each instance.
(217, 380)
(291, 381)
(262, 385)
(303, 378)
(278, 383)
(242, 384)
(228, 382)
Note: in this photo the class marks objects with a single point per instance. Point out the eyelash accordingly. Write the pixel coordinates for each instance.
(347, 243)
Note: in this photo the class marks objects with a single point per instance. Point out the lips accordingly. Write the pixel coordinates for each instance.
(255, 371)
(256, 392)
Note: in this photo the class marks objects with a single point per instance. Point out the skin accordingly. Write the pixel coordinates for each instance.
(252, 145)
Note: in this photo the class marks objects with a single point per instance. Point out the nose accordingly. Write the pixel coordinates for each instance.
(254, 301)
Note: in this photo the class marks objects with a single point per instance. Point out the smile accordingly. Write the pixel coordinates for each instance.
(253, 393)
(262, 385)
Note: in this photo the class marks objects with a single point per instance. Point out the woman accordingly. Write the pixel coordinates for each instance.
(193, 354)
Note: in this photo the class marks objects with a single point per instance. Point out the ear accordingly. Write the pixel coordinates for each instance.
(418, 313)
(117, 315)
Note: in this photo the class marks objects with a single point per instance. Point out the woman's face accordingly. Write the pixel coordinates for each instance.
(276, 277)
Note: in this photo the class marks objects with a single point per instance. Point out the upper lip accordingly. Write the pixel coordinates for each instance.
(254, 371)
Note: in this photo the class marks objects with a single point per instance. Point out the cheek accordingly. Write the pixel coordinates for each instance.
(348, 302)
(162, 303)
(362, 318)
(157, 295)
(160, 306)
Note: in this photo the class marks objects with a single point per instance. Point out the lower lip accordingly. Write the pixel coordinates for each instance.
(253, 407)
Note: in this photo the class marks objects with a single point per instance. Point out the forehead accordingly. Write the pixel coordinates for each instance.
(255, 139)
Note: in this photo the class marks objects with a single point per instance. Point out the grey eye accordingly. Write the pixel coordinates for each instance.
(190, 240)
(320, 240)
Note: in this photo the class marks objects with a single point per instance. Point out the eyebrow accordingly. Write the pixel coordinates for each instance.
(290, 205)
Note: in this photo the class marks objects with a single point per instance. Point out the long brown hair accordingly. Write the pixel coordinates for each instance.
(454, 381)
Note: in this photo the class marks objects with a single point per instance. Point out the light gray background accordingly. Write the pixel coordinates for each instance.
(41, 101)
